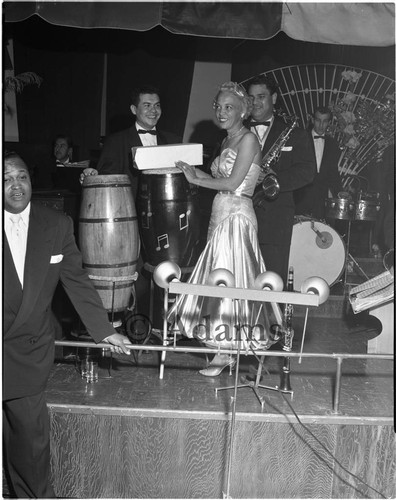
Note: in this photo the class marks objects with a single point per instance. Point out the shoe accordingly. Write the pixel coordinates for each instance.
(219, 362)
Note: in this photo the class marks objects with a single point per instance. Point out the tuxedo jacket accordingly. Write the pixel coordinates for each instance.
(28, 334)
(116, 157)
(310, 200)
(295, 169)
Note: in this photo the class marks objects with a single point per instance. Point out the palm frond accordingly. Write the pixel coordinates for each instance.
(18, 82)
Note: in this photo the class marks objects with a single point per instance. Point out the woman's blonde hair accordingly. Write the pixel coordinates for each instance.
(239, 92)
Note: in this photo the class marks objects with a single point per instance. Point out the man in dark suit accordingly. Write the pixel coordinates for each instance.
(116, 157)
(39, 251)
(65, 177)
(311, 199)
(295, 168)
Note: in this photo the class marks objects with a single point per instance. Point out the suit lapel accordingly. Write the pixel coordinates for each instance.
(135, 138)
(312, 144)
(326, 149)
(160, 139)
(12, 285)
(38, 256)
(273, 135)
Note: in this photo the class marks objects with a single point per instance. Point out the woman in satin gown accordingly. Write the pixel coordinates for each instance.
(232, 242)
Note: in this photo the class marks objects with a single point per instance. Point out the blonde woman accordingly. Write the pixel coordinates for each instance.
(232, 242)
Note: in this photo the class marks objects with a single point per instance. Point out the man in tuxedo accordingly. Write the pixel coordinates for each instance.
(310, 200)
(39, 251)
(116, 156)
(295, 168)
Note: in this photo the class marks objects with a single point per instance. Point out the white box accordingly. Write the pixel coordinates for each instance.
(157, 157)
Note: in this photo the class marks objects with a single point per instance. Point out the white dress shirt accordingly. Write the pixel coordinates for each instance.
(262, 131)
(17, 238)
(319, 147)
(61, 164)
(147, 139)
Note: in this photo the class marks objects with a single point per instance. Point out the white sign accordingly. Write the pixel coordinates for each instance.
(158, 157)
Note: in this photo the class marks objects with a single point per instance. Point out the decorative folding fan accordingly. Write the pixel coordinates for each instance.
(363, 105)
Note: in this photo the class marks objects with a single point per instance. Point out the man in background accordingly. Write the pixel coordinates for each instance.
(63, 150)
(294, 169)
(311, 199)
(64, 176)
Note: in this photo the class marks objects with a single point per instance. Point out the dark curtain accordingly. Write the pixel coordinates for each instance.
(68, 100)
(155, 57)
(70, 61)
(255, 57)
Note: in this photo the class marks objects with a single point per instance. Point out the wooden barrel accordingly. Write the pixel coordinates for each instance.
(168, 215)
(109, 238)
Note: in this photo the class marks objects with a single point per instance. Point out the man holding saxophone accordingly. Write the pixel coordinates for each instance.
(293, 162)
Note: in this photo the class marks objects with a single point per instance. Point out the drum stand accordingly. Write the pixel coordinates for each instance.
(350, 257)
(253, 385)
(256, 385)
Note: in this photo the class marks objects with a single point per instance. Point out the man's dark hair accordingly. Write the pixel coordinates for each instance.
(143, 89)
(323, 110)
(271, 84)
(67, 138)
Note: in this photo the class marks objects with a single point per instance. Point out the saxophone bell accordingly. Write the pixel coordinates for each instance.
(270, 185)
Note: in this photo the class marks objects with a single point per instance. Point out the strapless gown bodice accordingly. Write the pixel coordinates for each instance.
(223, 165)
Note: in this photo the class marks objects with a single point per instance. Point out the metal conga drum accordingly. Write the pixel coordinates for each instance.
(367, 206)
(340, 208)
(168, 216)
(109, 238)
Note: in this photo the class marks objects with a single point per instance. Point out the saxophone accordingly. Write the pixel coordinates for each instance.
(268, 178)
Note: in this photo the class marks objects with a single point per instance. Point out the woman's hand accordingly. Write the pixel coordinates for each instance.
(187, 170)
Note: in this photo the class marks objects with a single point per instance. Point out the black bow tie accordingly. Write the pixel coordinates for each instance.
(152, 132)
(254, 124)
(319, 136)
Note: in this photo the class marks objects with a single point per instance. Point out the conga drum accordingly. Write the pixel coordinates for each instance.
(109, 238)
(340, 208)
(168, 216)
(367, 206)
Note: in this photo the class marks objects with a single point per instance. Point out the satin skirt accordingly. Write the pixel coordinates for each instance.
(232, 244)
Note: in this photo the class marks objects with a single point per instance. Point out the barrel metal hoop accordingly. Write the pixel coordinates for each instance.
(106, 186)
(100, 221)
(110, 266)
(132, 277)
(150, 268)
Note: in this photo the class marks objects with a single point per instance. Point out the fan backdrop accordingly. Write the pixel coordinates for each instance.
(305, 87)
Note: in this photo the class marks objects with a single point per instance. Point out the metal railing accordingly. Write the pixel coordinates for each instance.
(339, 357)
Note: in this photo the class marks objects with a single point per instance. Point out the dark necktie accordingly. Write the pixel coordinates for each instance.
(254, 124)
(152, 132)
(319, 136)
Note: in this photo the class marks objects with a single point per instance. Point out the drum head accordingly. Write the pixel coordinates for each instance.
(316, 250)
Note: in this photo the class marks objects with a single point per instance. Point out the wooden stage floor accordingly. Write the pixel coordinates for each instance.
(366, 389)
(133, 435)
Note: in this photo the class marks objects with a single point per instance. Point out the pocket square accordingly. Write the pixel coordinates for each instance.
(287, 148)
(55, 259)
